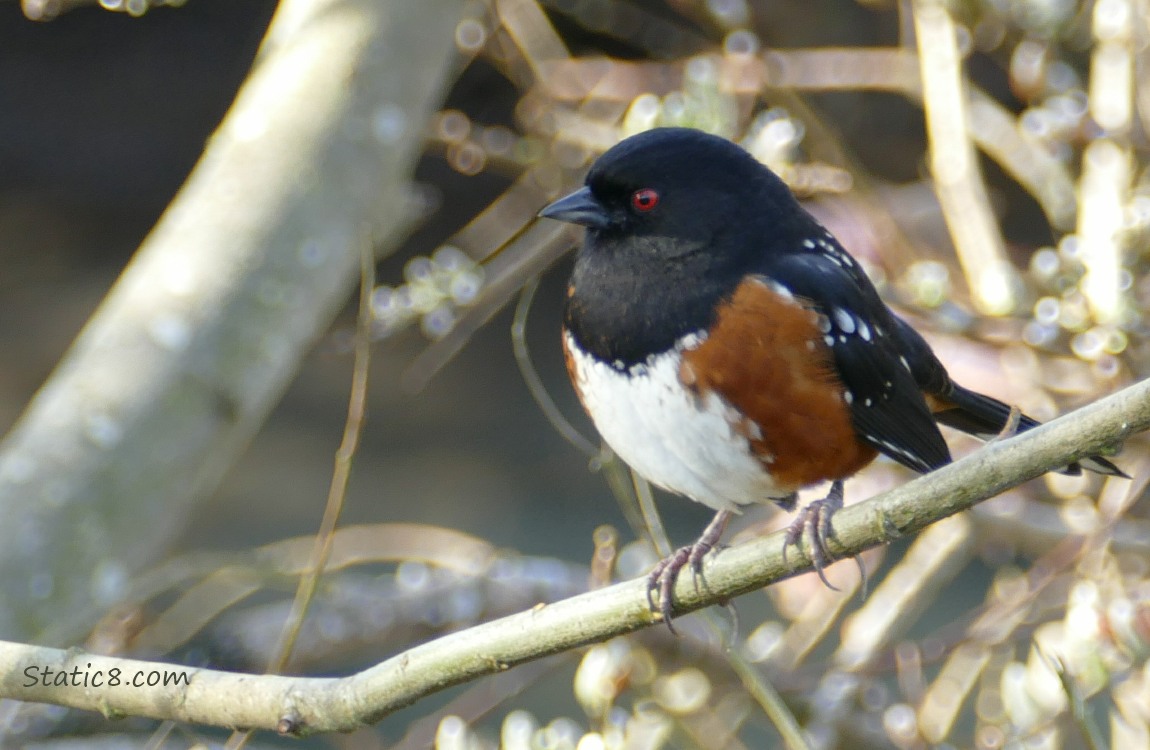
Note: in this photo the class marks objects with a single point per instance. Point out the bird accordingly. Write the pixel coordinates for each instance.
(730, 350)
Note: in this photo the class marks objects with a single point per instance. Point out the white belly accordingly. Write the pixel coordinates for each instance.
(675, 439)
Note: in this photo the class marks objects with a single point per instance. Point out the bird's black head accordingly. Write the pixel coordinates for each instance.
(675, 219)
(683, 187)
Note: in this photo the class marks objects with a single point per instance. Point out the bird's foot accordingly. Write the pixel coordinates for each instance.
(814, 523)
(663, 576)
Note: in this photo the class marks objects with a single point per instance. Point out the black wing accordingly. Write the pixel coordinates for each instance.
(970, 411)
(887, 406)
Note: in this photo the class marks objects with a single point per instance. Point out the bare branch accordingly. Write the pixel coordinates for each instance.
(306, 705)
(184, 359)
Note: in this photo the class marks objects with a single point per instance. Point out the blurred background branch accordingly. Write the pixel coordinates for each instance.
(182, 362)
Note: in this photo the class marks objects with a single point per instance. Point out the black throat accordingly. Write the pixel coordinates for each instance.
(624, 308)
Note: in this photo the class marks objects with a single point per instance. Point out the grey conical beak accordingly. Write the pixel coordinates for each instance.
(581, 207)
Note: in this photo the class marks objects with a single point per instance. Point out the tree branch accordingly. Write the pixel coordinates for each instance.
(197, 340)
(294, 705)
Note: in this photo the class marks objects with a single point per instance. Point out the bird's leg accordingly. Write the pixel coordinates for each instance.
(662, 578)
(814, 522)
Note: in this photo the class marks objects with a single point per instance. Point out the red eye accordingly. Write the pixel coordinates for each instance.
(644, 200)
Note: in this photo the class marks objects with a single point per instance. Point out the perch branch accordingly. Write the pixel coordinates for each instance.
(298, 705)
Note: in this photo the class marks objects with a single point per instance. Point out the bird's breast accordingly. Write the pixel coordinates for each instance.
(692, 444)
(746, 410)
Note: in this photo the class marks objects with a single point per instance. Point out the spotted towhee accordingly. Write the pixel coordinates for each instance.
(730, 350)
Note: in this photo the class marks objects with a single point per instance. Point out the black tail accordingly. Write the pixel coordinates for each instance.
(984, 417)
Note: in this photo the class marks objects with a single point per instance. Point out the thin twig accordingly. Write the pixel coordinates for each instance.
(1010, 426)
(337, 490)
(344, 457)
(653, 522)
(531, 377)
(1079, 711)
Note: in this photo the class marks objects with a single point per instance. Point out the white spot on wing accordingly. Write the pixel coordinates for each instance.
(899, 450)
(786, 294)
(844, 320)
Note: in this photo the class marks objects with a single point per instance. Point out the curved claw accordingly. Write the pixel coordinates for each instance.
(662, 579)
(814, 523)
(663, 576)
